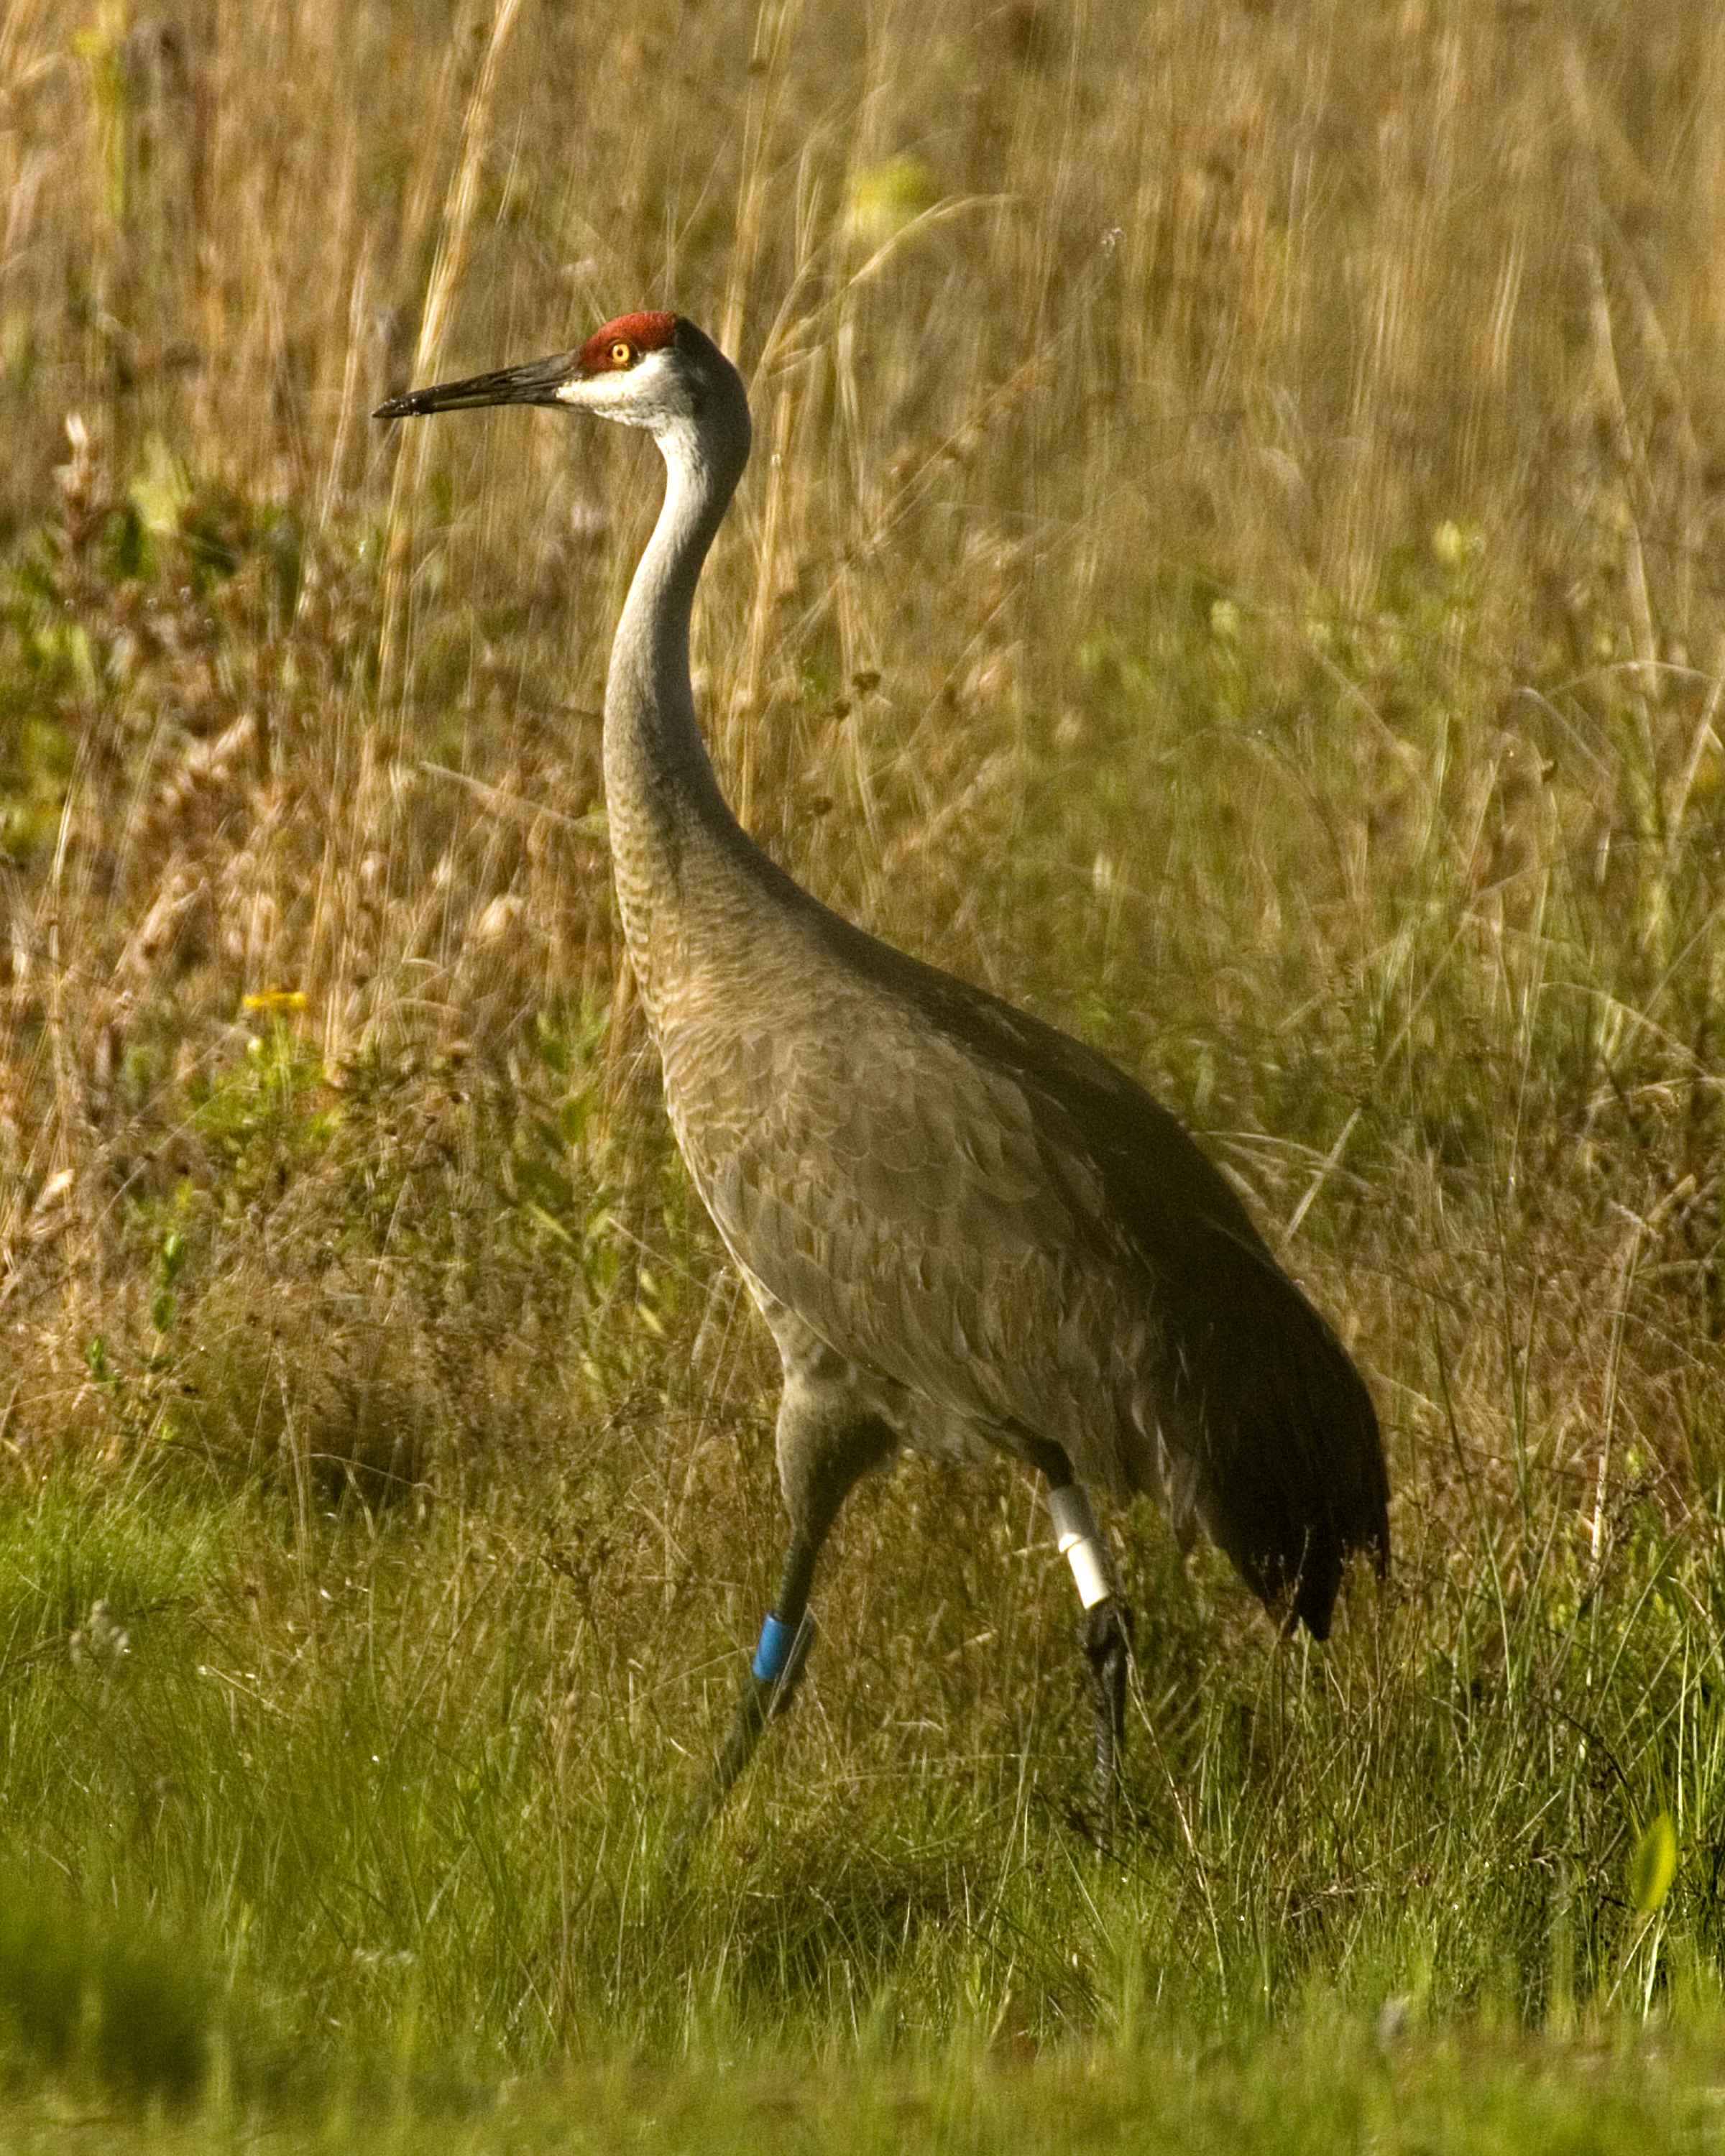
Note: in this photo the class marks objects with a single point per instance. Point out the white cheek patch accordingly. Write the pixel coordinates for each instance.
(589, 392)
(1080, 1544)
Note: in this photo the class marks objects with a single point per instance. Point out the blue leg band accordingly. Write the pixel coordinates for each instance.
(774, 1651)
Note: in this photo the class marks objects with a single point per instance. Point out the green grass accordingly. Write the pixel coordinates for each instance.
(398, 1791)
(1479, 2090)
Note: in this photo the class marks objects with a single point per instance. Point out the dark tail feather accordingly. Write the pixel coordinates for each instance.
(1295, 1482)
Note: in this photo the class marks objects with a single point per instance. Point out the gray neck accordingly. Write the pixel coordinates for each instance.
(671, 832)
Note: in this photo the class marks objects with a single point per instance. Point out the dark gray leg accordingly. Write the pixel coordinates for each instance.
(828, 1438)
(774, 1673)
(1106, 1634)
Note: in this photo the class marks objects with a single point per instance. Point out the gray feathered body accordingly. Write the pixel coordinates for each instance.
(1001, 1236)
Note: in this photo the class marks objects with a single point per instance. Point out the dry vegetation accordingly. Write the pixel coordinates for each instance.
(1233, 559)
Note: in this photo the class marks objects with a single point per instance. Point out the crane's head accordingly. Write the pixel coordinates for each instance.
(655, 371)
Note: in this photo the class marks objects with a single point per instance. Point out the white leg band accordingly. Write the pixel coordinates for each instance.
(1080, 1544)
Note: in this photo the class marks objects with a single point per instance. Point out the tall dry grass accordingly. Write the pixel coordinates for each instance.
(1063, 330)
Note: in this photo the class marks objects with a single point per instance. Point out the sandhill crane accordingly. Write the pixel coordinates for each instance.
(965, 1229)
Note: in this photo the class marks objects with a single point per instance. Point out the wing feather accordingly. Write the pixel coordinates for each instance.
(984, 1210)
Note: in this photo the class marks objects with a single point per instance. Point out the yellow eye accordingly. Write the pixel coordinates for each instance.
(622, 354)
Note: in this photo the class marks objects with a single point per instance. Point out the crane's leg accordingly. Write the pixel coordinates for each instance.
(1106, 1634)
(828, 1438)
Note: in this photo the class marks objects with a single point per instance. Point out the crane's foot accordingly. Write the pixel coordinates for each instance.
(762, 1697)
(1106, 1638)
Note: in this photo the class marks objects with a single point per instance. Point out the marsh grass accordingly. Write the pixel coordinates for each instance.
(1229, 562)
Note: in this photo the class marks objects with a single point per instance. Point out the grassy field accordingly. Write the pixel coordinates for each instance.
(1231, 560)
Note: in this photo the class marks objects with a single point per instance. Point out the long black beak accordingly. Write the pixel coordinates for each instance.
(537, 383)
